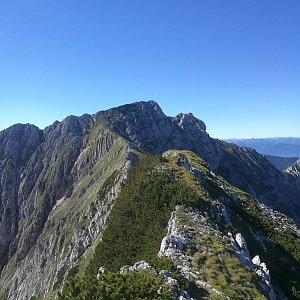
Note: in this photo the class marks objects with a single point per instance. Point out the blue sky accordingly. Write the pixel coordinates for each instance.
(234, 63)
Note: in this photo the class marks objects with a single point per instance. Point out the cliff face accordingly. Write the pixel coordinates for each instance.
(294, 170)
(50, 181)
(145, 126)
(49, 178)
(251, 172)
(17, 144)
(148, 129)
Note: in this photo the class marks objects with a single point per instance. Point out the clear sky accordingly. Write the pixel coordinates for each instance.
(234, 63)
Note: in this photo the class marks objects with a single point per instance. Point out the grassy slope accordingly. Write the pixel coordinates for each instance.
(140, 216)
(141, 213)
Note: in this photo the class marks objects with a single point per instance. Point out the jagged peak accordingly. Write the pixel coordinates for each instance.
(19, 140)
(189, 122)
(71, 124)
(20, 127)
(140, 105)
(143, 108)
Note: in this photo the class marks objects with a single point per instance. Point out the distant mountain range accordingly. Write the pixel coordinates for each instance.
(279, 146)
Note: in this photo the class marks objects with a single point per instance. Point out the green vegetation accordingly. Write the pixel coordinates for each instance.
(225, 272)
(140, 216)
(113, 286)
(279, 244)
(138, 223)
(248, 218)
(250, 212)
(215, 263)
(4, 292)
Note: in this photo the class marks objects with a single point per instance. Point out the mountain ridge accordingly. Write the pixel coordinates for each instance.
(51, 178)
(146, 127)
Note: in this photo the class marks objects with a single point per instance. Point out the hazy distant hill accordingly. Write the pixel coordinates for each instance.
(281, 163)
(280, 146)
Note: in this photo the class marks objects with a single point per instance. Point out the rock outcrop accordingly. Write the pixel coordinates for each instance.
(182, 237)
(169, 283)
(294, 169)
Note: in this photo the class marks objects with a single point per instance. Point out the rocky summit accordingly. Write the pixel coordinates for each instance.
(129, 203)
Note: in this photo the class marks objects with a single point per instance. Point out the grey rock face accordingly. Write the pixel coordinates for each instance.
(242, 251)
(251, 172)
(47, 177)
(294, 170)
(53, 257)
(148, 129)
(189, 123)
(145, 126)
(53, 181)
(17, 144)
